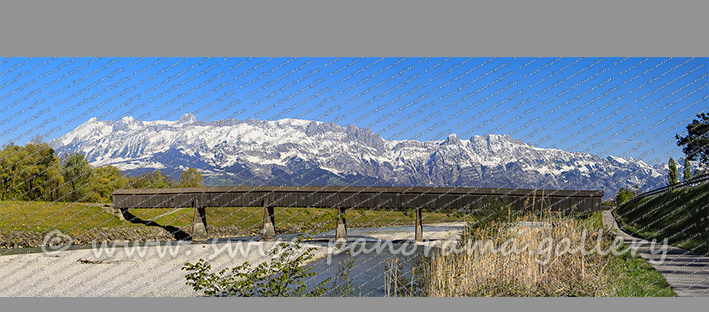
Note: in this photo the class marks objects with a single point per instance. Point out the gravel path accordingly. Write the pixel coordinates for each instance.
(685, 271)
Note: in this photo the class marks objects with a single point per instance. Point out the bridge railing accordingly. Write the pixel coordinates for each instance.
(704, 178)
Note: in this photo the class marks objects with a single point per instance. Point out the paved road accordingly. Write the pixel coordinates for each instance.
(685, 271)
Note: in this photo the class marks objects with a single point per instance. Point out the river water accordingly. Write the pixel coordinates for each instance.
(371, 254)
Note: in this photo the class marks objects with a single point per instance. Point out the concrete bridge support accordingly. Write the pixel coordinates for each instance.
(199, 228)
(268, 232)
(120, 213)
(418, 234)
(341, 229)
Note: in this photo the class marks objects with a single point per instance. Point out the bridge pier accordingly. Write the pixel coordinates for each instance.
(199, 228)
(119, 213)
(418, 232)
(341, 229)
(268, 232)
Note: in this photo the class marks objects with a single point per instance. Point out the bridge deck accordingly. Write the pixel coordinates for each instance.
(343, 197)
(352, 197)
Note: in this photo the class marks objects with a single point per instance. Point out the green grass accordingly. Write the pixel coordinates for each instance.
(635, 277)
(70, 218)
(680, 216)
(74, 219)
(249, 217)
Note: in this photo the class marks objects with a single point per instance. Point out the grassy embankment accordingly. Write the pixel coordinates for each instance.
(545, 272)
(680, 216)
(77, 219)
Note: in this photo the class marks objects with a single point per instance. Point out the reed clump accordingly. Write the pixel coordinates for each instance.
(547, 255)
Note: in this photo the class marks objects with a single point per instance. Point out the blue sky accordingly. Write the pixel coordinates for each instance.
(629, 107)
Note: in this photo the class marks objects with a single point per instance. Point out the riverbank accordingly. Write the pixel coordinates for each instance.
(26, 239)
(129, 269)
(121, 271)
(27, 224)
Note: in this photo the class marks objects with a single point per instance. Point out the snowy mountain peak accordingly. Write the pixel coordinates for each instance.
(617, 159)
(299, 152)
(186, 119)
(452, 140)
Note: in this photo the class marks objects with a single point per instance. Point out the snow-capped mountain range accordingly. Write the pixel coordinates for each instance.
(303, 152)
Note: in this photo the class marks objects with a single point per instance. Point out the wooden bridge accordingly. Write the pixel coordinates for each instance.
(346, 197)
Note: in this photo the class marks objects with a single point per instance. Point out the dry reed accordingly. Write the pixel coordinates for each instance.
(553, 259)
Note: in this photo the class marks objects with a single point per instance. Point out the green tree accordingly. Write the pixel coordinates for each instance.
(45, 175)
(696, 142)
(78, 175)
(153, 179)
(191, 178)
(29, 172)
(283, 276)
(343, 285)
(486, 212)
(623, 196)
(673, 175)
(687, 170)
(106, 180)
(10, 158)
(157, 180)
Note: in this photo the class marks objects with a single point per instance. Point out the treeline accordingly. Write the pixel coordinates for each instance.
(34, 173)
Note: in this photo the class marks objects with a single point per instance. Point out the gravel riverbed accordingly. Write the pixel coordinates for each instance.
(150, 270)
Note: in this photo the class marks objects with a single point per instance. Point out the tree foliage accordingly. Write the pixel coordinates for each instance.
(191, 178)
(486, 212)
(623, 196)
(282, 277)
(29, 172)
(696, 142)
(153, 179)
(673, 175)
(34, 172)
(491, 210)
(78, 174)
(687, 170)
(107, 179)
